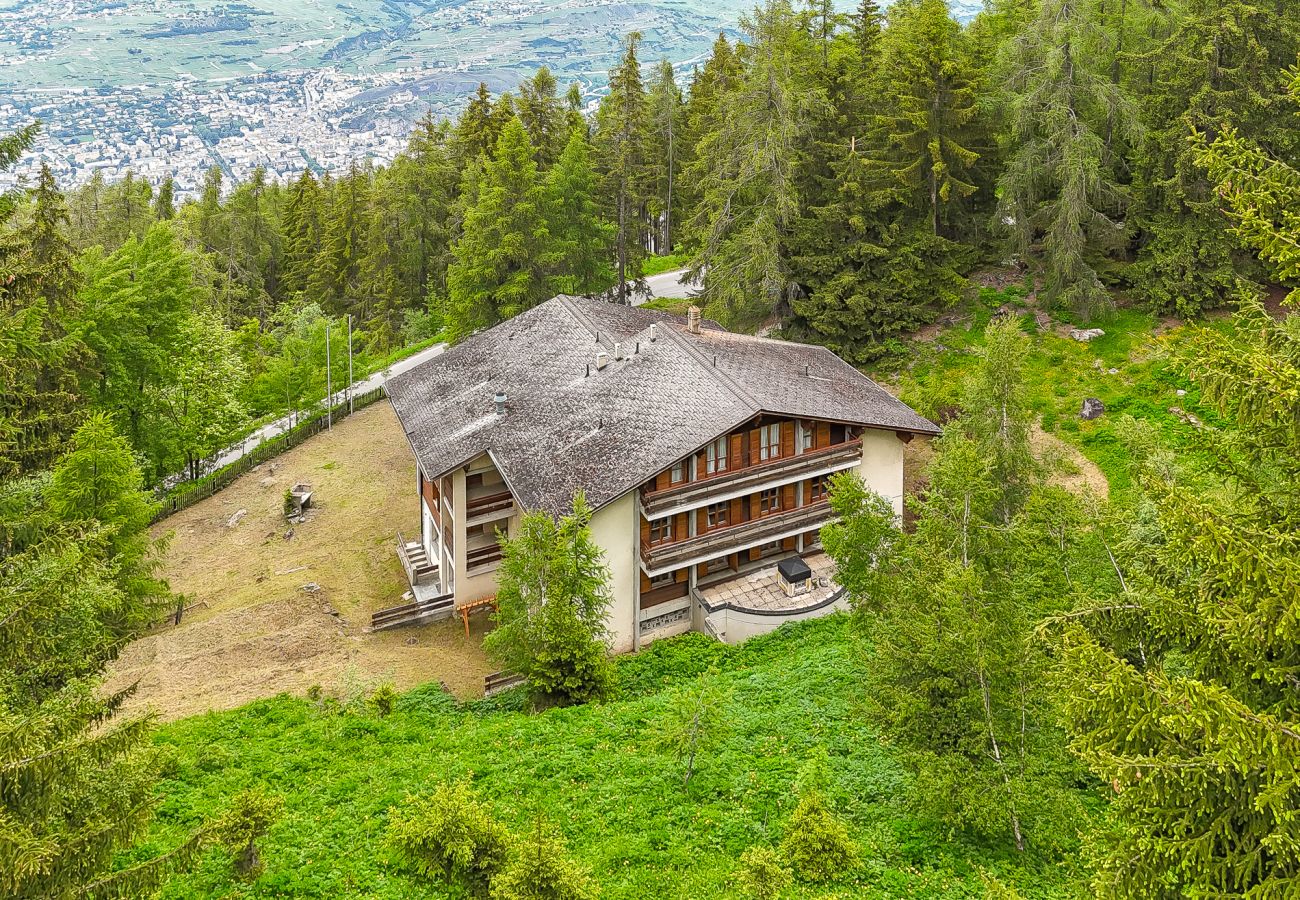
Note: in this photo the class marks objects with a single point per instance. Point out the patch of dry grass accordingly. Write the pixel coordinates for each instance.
(255, 631)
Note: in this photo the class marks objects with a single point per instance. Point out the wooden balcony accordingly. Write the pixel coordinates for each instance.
(749, 478)
(721, 541)
(482, 556)
(488, 505)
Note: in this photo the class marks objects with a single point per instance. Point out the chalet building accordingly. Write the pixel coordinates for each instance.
(705, 455)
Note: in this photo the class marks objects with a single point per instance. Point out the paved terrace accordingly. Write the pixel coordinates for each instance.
(760, 590)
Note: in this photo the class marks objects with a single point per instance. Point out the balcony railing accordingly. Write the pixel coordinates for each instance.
(705, 490)
(488, 507)
(721, 541)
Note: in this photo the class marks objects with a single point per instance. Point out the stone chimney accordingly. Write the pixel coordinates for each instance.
(693, 319)
(500, 401)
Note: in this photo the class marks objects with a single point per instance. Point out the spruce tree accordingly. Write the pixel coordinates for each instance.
(164, 203)
(665, 134)
(42, 352)
(1181, 693)
(579, 236)
(302, 233)
(553, 594)
(621, 141)
(1060, 194)
(475, 136)
(1216, 65)
(702, 115)
(335, 281)
(926, 142)
(542, 113)
(499, 263)
(746, 168)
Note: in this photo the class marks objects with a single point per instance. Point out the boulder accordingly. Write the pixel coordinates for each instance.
(1086, 334)
(234, 520)
(1092, 409)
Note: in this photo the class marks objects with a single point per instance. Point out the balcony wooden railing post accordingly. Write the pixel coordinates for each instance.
(655, 501)
(725, 539)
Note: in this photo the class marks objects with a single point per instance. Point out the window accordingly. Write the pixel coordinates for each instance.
(663, 580)
(820, 489)
(715, 515)
(769, 501)
(716, 457)
(680, 473)
(805, 437)
(661, 530)
(769, 441)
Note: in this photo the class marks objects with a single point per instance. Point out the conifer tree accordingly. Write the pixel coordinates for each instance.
(335, 281)
(76, 791)
(499, 263)
(1060, 194)
(666, 110)
(164, 203)
(540, 868)
(925, 142)
(553, 595)
(40, 352)
(475, 136)
(580, 237)
(1216, 65)
(621, 141)
(746, 170)
(426, 183)
(702, 116)
(1181, 693)
(542, 113)
(302, 233)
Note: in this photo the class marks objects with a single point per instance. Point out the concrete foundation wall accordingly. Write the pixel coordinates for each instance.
(736, 627)
(615, 530)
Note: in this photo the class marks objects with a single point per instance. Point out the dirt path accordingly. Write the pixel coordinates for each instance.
(280, 613)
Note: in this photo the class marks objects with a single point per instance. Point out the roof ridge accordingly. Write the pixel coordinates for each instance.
(736, 388)
(578, 315)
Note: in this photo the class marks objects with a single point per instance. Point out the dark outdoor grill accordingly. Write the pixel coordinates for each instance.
(794, 575)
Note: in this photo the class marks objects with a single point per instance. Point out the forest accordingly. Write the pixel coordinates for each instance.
(1066, 696)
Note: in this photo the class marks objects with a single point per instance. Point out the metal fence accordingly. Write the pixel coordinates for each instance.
(189, 493)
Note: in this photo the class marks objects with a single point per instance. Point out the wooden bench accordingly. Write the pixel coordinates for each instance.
(474, 606)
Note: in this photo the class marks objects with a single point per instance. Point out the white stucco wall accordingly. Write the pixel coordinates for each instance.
(736, 627)
(472, 587)
(882, 465)
(614, 529)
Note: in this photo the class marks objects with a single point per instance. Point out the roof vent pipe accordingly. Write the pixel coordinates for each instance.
(654, 333)
(693, 319)
(500, 400)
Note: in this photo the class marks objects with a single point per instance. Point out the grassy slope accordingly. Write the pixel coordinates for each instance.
(596, 770)
(1061, 372)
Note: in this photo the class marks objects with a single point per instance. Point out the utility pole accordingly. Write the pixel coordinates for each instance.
(349, 363)
(329, 382)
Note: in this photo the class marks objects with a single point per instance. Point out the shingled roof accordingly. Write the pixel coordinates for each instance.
(570, 426)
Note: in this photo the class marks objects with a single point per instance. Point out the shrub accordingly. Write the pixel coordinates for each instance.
(762, 874)
(249, 817)
(383, 700)
(290, 506)
(816, 842)
(448, 834)
(539, 868)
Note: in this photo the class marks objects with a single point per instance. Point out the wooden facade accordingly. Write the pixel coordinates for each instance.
(758, 483)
